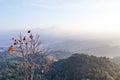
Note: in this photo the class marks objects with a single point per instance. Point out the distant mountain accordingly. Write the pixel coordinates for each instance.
(93, 47)
(64, 48)
(4, 55)
(59, 54)
(116, 59)
(57, 41)
(84, 67)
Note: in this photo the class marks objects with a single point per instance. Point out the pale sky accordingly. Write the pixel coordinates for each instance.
(74, 16)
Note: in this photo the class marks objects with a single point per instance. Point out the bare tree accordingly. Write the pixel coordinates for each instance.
(29, 48)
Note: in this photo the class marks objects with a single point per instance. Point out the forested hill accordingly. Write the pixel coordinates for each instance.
(76, 67)
(84, 67)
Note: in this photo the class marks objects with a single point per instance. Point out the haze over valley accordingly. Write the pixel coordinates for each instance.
(56, 40)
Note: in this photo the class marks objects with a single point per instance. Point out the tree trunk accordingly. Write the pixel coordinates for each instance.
(25, 73)
(32, 71)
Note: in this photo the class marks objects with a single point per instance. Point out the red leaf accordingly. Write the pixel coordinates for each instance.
(10, 49)
(31, 36)
(24, 38)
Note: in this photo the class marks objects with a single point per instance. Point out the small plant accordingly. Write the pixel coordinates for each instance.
(29, 48)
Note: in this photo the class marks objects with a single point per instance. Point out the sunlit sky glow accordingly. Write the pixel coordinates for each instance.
(74, 16)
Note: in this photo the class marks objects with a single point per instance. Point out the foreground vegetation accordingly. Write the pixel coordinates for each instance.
(84, 67)
(76, 67)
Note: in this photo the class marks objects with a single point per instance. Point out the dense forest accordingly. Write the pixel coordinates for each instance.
(76, 67)
(84, 67)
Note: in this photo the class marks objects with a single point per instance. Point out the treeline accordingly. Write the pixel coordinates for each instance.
(76, 67)
(11, 70)
(84, 67)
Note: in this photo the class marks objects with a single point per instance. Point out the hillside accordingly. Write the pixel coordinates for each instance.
(84, 67)
(10, 70)
(76, 67)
